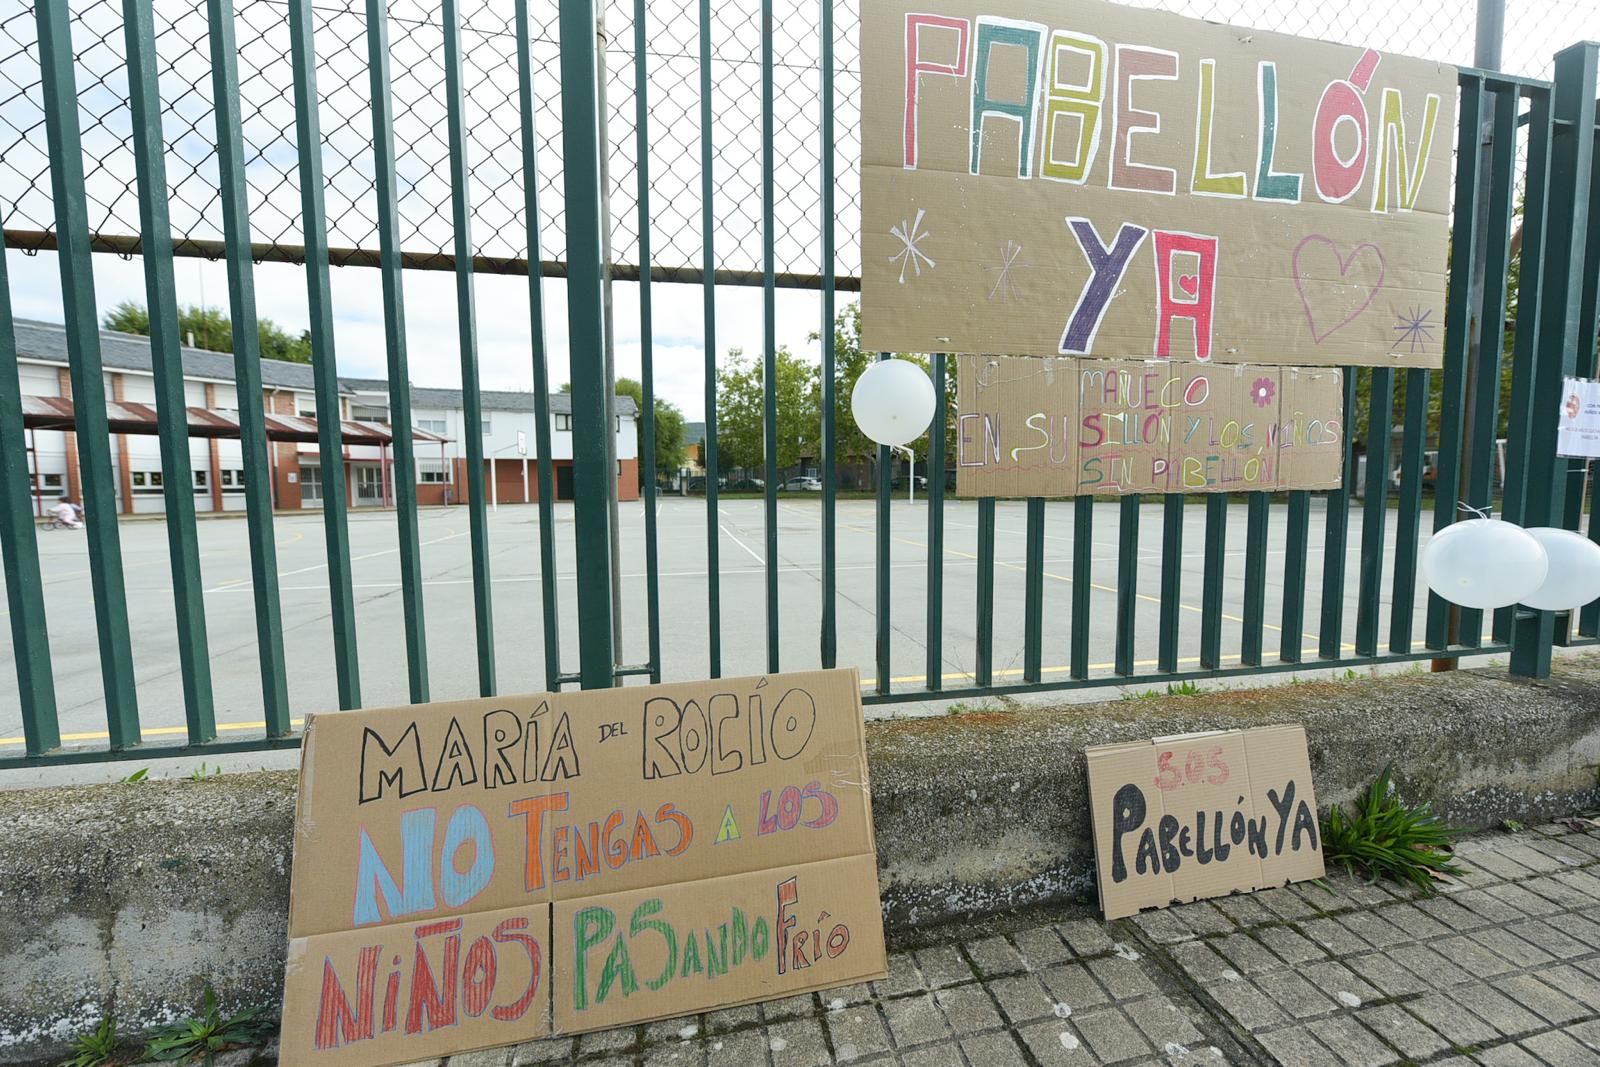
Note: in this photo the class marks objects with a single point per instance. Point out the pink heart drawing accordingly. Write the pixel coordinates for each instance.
(1189, 283)
(1328, 296)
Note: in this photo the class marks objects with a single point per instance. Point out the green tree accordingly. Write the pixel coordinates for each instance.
(740, 410)
(210, 329)
(669, 426)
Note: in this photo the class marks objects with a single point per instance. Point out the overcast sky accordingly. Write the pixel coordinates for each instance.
(1440, 29)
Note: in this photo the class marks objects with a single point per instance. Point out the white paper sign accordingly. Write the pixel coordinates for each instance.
(1579, 434)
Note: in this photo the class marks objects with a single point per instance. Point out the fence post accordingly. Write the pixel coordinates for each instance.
(580, 143)
(1555, 351)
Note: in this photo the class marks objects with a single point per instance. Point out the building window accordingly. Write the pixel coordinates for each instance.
(50, 481)
(564, 422)
(487, 427)
(146, 481)
(369, 413)
(307, 413)
(200, 478)
(431, 476)
(233, 481)
(435, 426)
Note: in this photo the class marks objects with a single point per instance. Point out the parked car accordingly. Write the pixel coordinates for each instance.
(802, 484)
(919, 482)
(745, 485)
(1430, 472)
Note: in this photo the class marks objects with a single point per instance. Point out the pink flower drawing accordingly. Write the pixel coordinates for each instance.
(1261, 392)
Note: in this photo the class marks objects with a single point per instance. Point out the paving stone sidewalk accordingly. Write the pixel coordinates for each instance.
(1502, 970)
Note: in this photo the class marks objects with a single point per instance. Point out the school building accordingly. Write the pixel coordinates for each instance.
(288, 400)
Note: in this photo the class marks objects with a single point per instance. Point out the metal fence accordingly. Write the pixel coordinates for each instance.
(367, 116)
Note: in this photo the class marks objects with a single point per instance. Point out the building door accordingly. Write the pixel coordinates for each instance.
(369, 484)
(564, 482)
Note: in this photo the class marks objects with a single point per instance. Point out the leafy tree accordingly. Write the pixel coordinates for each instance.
(740, 409)
(669, 426)
(211, 330)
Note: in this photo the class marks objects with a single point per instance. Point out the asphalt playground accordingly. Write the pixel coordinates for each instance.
(682, 525)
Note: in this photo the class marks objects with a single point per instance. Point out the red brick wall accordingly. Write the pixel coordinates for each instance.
(285, 455)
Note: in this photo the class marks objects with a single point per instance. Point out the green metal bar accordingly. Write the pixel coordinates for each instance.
(647, 344)
(1336, 534)
(19, 550)
(1484, 371)
(1374, 508)
(1530, 274)
(1082, 582)
(769, 318)
(829, 624)
(231, 166)
(1221, 673)
(394, 329)
(1033, 595)
(708, 228)
(1408, 517)
(1171, 581)
(1211, 581)
(1255, 578)
(166, 360)
(936, 432)
(541, 374)
(324, 366)
(1571, 170)
(467, 330)
(1296, 536)
(883, 531)
(1457, 338)
(88, 380)
(580, 154)
(984, 671)
(1586, 621)
(1127, 581)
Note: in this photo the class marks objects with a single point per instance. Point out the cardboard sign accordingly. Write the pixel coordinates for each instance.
(1578, 432)
(724, 827)
(1202, 815)
(1095, 180)
(1068, 427)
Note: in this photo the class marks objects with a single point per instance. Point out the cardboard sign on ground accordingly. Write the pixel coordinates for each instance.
(1202, 815)
(423, 830)
(1092, 179)
(1027, 426)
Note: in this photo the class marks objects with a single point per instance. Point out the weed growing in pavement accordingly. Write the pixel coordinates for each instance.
(201, 773)
(1383, 837)
(1174, 689)
(201, 1038)
(139, 775)
(97, 1047)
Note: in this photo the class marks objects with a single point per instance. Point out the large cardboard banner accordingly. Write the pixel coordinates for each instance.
(1067, 427)
(693, 845)
(1202, 815)
(1079, 178)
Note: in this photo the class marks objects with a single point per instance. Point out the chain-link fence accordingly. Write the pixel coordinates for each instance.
(1438, 29)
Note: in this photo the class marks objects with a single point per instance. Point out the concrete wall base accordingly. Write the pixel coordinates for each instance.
(128, 898)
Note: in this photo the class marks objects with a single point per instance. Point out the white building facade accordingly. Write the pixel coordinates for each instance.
(288, 390)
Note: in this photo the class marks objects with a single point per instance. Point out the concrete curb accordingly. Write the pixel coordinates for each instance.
(128, 898)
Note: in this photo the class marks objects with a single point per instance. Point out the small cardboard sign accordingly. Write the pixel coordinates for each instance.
(1202, 815)
(1066, 427)
(1091, 179)
(456, 861)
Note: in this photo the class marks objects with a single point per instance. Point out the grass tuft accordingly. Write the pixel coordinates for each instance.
(203, 1037)
(1383, 837)
(95, 1048)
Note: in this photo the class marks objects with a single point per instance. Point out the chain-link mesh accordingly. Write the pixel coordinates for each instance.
(1438, 29)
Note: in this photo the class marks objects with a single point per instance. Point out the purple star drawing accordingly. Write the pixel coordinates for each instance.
(1414, 328)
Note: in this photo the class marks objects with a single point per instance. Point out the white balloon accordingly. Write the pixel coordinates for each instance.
(1483, 563)
(893, 402)
(1573, 578)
